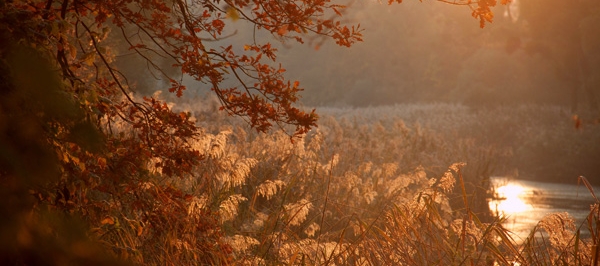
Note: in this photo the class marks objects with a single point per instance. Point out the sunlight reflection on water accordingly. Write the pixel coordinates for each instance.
(509, 200)
(524, 203)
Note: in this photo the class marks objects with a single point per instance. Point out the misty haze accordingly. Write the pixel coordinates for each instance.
(300, 132)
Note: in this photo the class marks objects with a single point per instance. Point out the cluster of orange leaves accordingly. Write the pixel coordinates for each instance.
(481, 9)
(116, 141)
(71, 34)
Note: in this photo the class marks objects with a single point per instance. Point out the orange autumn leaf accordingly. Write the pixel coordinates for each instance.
(108, 220)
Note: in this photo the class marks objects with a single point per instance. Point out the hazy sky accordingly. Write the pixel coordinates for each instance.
(431, 51)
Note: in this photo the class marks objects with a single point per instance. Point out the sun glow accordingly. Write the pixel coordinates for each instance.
(509, 200)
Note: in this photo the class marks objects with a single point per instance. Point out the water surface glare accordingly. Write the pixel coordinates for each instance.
(525, 202)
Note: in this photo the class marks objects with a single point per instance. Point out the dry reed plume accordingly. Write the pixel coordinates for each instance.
(382, 187)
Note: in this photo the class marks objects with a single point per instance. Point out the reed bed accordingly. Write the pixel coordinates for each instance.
(401, 185)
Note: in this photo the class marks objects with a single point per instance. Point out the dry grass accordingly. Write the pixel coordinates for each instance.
(375, 187)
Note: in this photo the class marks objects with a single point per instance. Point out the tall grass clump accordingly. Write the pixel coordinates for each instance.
(402, 185)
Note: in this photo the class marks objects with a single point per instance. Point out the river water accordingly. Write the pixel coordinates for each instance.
(525, 203)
